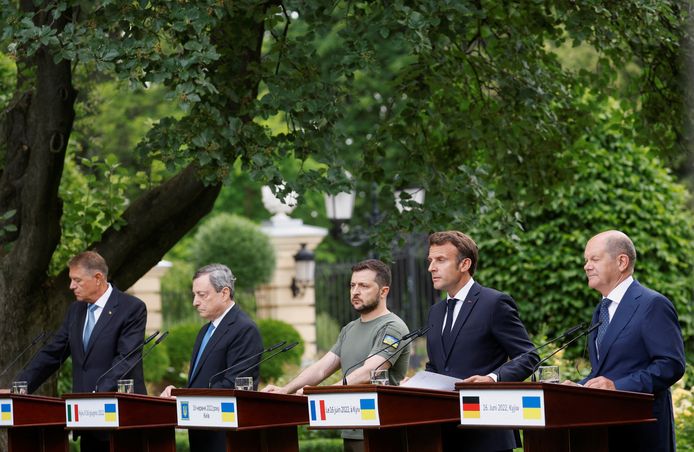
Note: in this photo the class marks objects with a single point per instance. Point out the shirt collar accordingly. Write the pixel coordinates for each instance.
(618, 292)
(216, 321)
(462, 293)
(101, 302)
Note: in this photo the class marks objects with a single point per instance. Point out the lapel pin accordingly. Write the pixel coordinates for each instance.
(109, 312)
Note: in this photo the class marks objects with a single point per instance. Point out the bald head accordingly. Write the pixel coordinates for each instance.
(616, 243)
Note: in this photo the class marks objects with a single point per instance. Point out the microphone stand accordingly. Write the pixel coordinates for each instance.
(542, 361)
(144, 355)
(414, 335)
(40, 336)
(286, 348)
(128, 355)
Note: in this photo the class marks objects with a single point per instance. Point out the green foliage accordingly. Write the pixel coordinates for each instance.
(156, 363)
(237, 243)
(321, 445)
(614, 185)
(94, 200)
(272, 332)
(180, 347)
(176, 298)
(327, 330)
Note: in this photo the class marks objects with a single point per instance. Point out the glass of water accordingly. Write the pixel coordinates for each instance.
(20, 387)
(126, 386)
(548, 374)
(379, 377)
(244, 383)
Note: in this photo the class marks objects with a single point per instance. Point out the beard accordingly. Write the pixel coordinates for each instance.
(366, 306)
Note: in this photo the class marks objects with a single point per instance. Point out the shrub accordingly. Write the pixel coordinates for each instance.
(272, 332)
(239, 244)
(180, 347)
(156, 363)
(176, 297)
(327, 330)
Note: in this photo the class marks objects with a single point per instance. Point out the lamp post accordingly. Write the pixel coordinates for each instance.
(305, 269)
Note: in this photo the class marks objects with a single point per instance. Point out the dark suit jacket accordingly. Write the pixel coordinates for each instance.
(236, 339)
(119, 330)
(487, 332)
(642, 351)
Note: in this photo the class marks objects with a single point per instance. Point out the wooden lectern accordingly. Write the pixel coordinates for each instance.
(33, 423)
(393, 418)
(554, 417)
(133, 421)
(254, 421)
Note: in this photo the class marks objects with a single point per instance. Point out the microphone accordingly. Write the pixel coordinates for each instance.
(420, 333)
(269, 349)
(243, 361)
(411, 335)
(39, 337)
(566, 333)
(147, 352)
(583, 333)
(128, 355)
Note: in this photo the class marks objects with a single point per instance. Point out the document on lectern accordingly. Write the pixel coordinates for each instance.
(431, 380)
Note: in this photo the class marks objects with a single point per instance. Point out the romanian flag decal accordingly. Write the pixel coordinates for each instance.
(6, 412)
(109, 412)
(471, 407)
(368, 409)
(531, 408)
(228, 412)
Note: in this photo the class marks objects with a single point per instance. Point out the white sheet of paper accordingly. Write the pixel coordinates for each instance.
(431, 380)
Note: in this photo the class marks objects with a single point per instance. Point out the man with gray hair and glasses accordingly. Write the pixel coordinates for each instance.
(229, 337)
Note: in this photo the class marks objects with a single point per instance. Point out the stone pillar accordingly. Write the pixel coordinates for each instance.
(276, 300)
(148, 289)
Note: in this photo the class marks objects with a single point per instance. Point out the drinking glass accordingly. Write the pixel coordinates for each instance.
(379, 377)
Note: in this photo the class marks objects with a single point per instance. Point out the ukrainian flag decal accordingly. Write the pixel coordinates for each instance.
(6, 412)
(368, 409)
(110, 412)
(532, 408)
(392, 341)
(228, 412)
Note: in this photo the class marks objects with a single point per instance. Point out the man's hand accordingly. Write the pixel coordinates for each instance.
(167, 392)
(4, 391)
(570, 383)
(479, 379)
(600, 383)
(273, 388)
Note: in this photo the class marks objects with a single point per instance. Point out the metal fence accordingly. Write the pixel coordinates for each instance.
(411, 292)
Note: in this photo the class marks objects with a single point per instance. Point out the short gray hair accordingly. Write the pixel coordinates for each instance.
(620, 243)
(220, 277)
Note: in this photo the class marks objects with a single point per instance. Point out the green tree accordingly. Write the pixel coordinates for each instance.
(469, 94)
(238, 243)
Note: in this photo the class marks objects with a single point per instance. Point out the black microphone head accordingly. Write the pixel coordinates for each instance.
(423, 331)
(275, 347)
(162, 337)
(594, 327)
(573, 329)
(290, 346)
(150, 337)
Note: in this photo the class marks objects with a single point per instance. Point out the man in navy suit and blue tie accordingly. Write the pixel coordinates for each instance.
(475, 334)
(229, 338)
(639, 345)
(100, 328)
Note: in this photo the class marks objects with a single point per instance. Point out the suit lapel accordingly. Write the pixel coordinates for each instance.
(217, 336)
(465, 310)
(625, 311)
(107, 312)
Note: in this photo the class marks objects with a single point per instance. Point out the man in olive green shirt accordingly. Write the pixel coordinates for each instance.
(374, 330)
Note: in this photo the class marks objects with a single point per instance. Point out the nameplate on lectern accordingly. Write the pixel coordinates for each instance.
(351, 409)
(500, 407)
(88, 413)
(6, 413)
(196, 411)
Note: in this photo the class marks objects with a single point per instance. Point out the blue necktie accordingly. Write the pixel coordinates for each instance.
(604, 317)
(89, 327)
(205, 340)
(447, 333)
